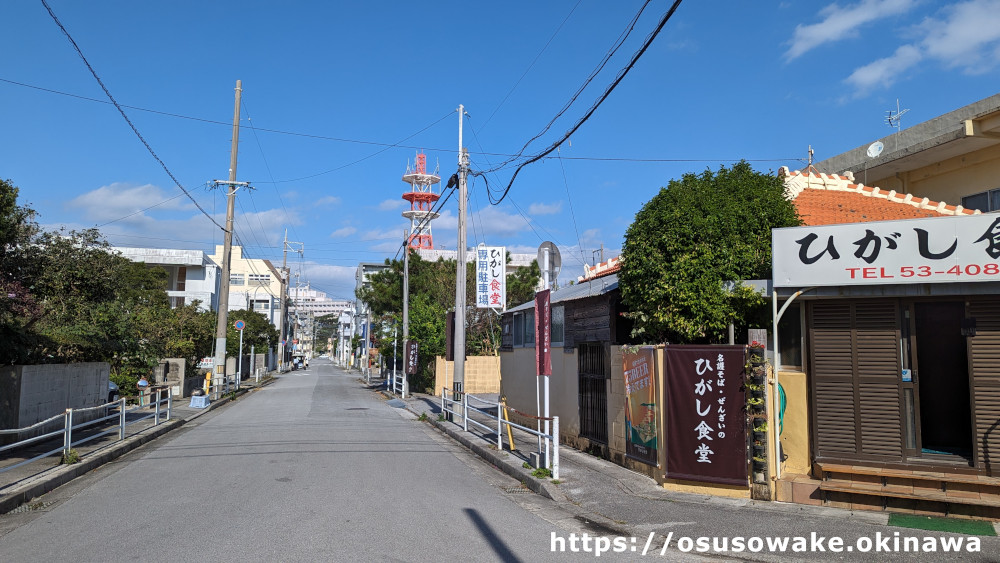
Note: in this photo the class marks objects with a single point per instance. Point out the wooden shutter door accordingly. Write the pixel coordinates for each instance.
(855, 373)
(984, 364)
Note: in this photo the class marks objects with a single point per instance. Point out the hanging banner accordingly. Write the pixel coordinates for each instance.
(641, 431)
(411, 356)
(491, 279)
(449, 336)
(705, 414)
(543, 332)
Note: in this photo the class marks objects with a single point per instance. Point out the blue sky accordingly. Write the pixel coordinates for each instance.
(339, 96)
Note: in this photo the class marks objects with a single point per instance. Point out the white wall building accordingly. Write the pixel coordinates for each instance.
(192, 275)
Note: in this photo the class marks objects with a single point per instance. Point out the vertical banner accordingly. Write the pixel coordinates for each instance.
(491, 279)
(705, 414)
(641, 430)
(543, 332)
(411, 356)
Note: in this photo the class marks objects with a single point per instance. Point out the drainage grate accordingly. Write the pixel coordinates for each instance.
(516, 490)
(31, 506)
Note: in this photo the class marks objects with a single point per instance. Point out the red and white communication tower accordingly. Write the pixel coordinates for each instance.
(421, 197)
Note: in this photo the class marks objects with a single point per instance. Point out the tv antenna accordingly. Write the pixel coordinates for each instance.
(892, 119)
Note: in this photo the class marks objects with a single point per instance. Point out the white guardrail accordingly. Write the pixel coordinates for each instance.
(551, 456)
(398, 385)
(69, 427)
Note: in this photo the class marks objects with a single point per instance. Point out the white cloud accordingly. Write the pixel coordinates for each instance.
(343, 232)
(884, 72)
(327, 201)
(119, 200)
(391, 204)
(545, 208)
(337, 282)
(842, 23)
(968, 37)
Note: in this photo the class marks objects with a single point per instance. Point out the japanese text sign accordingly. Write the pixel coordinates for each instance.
(641, 420)
(934, 250)
(491, 278)
(543, 332)
(411, 356)
(705, 414)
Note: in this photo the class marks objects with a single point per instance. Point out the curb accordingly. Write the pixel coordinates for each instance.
(51, 479)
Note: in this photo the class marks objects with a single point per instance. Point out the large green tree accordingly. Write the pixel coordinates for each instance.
(432, 294)
(685, 245)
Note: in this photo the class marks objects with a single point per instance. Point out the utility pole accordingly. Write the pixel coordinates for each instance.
(285, 332)
(406, 290)
(227, 250)
(463, 169)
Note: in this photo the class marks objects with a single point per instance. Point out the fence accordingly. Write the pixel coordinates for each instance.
(68, 427)
(448, 400)
(398, 385)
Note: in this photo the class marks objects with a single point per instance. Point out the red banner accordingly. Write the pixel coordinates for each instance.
(543, 332)
(706, 414)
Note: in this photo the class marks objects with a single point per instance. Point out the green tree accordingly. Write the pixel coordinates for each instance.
(19, 307)
(689, 240)
(258, 332)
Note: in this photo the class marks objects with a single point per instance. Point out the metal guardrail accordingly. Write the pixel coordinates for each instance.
(69, 427)
(447, 401)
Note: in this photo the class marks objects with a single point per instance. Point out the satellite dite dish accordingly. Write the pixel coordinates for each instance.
(875, 149)
(555, 260)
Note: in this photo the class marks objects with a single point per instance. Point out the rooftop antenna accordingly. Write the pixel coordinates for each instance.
(892, 119)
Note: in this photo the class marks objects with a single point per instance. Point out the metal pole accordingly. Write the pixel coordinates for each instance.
(555, 449)
(499, 426)
(395, 342)
(170, 404)
(462, 266)
(156, 409)
(465, 412)
(67, 432)
(227, 248)
(548, 285)
(121, 419)
(239, 369)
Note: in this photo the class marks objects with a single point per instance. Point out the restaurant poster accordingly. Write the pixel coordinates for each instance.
(641, 431)
(706, 416)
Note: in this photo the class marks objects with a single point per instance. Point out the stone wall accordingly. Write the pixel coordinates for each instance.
(30, 394)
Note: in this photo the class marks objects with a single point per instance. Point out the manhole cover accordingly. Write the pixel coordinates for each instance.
(357, 408)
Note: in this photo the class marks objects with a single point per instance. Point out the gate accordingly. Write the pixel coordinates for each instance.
(593, 369)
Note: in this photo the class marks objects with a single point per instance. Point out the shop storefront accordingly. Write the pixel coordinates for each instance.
(901, 347)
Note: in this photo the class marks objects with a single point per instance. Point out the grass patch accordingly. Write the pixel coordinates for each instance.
(939, 524)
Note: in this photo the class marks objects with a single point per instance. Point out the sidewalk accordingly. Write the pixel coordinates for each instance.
(20, 485)
(629, 504)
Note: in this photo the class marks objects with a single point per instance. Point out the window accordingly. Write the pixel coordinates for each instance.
(984, 201)
(529, 328)
(558, 325)
(259, 279)
(518, 329)
(181, 277)
(790, 338)
(236, 279)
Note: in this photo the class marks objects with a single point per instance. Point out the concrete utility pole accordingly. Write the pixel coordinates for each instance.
(463, 169)
(406, 290)
(285, 332)
(227, 250)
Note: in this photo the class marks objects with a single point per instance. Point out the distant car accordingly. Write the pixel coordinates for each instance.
(112, 392)
(323, 356)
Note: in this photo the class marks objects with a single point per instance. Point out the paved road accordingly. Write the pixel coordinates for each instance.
(311, 468)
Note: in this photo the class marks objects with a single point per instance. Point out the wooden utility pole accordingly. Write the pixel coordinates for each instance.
(227, 250)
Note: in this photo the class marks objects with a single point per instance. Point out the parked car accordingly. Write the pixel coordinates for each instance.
(112, 391)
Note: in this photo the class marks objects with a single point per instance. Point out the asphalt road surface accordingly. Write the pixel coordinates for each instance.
(312, 468)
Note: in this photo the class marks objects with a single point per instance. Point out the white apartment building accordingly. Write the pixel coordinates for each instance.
(191, 274)
(254, 283)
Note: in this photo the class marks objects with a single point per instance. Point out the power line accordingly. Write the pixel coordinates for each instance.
(415, 147)
(607, 92)
(533, 61)
(569, 198)
(122, 112)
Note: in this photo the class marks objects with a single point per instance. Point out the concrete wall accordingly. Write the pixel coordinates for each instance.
(948, 180)
(34, 393)
(519, 385)
(482, 374)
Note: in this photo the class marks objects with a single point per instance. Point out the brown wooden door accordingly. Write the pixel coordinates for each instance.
(855, 369)
(984, 365)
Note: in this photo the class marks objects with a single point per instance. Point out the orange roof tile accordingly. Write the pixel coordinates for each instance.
(825, 199)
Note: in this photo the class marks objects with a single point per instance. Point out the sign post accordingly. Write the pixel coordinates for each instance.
(543, 354)
(239, 326)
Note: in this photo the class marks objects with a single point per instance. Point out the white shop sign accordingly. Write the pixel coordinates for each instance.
(933, 250)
